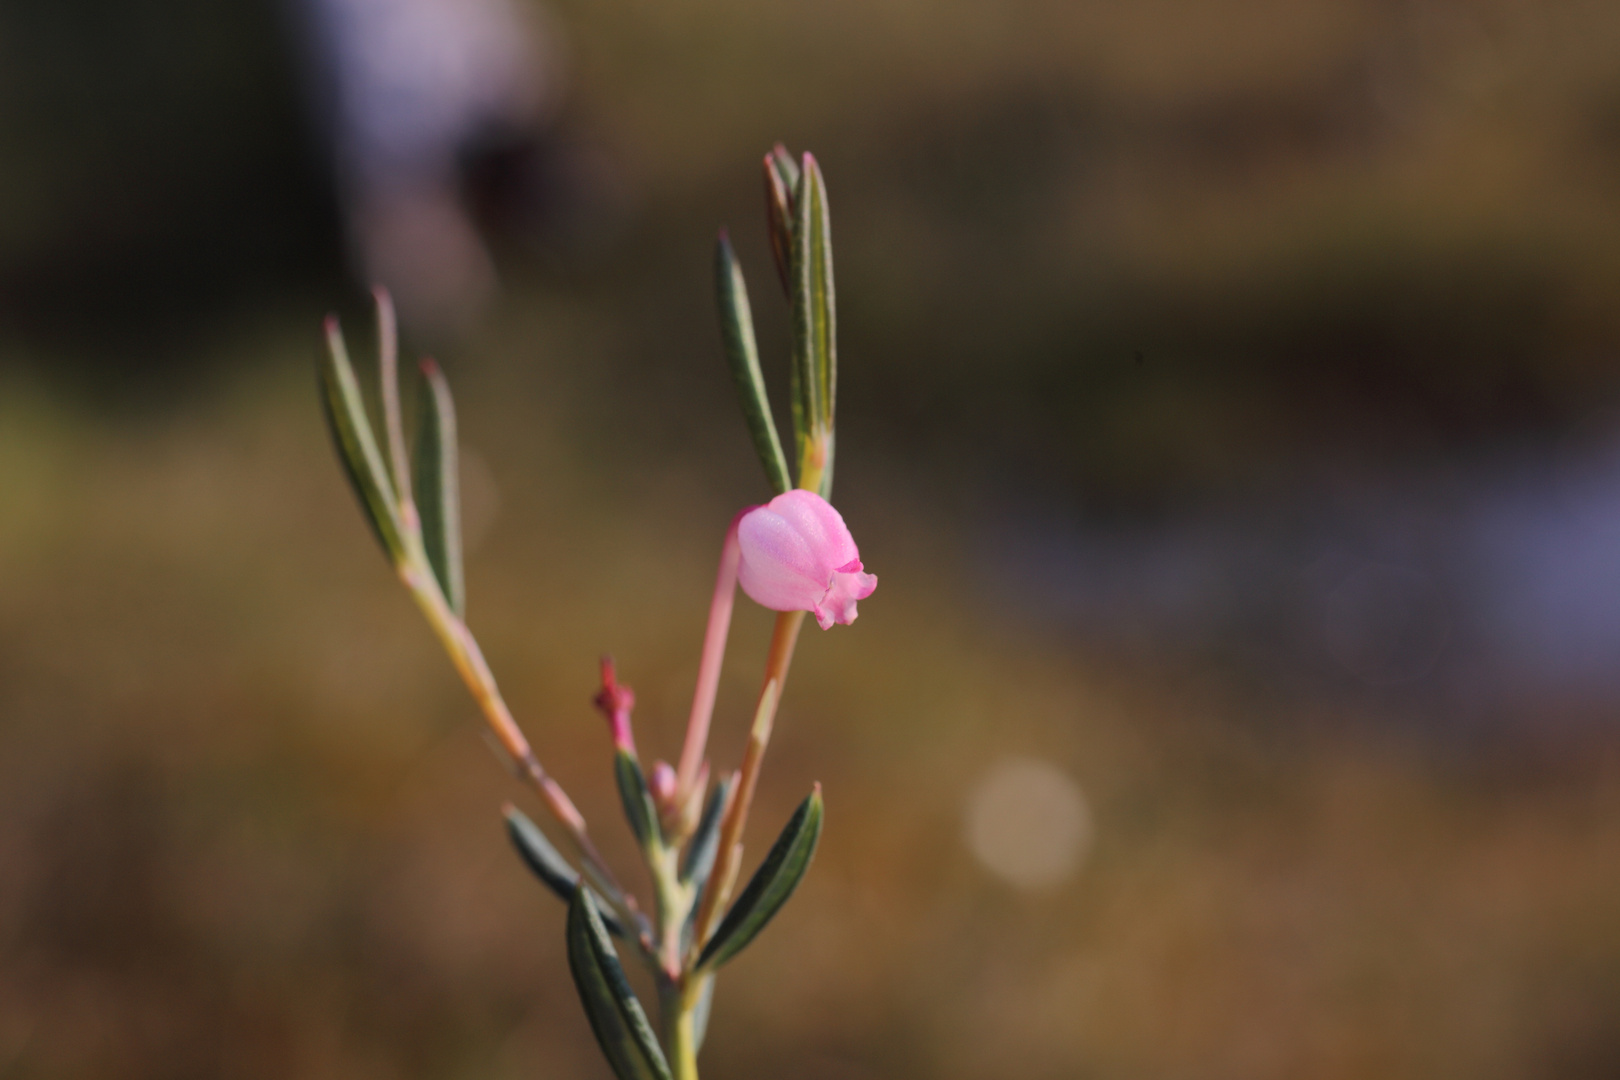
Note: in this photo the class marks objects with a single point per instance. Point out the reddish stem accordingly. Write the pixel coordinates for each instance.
(714, 653)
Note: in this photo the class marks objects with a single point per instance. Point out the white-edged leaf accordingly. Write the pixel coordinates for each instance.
(438, 487)
(742, 353)
(548, 864)
(616, 1017)
(357, 448)
(775, 880)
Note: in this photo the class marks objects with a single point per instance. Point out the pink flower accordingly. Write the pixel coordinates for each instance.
(797, 555)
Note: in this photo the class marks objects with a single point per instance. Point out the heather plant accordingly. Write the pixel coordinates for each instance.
(793, 555)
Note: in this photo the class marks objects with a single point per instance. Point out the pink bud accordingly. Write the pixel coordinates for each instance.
(616, 700)
(661, 782)
(797, 555)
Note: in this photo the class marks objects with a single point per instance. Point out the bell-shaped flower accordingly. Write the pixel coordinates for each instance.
(797, 555)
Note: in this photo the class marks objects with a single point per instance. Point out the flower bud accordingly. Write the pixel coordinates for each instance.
(797, 555)
(661, 783)
(615, 701)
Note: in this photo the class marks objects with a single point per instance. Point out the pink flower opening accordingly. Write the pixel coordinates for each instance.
(798, 555)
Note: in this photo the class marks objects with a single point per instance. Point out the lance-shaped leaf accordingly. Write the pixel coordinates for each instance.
(438, 487)
(706, 839)
(548, 864)
(639, 808)
(788, 169)
(698, 864)
(770, 886)
(737, 331)
(388, 384)
(781, 185)
(616, 1016)
(544, 859)
(815, 349)
(351, 430)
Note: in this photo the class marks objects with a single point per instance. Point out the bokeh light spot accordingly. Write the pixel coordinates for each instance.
(1028, 823)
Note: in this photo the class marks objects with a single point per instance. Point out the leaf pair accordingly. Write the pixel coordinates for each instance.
(801, 241)
(427, 525)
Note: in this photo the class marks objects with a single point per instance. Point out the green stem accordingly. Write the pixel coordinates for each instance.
(680, 1034)
(469, 662)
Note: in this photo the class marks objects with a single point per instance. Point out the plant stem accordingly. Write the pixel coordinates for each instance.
(677, 1001)
(474, 670)
(724, 875)
(677, 1010)
(714, 652)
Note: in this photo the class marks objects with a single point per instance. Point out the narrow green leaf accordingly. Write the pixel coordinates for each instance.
(781, 184)
(616, 1016)
(698, 864)
(438, 487)
(737, 331)
(815, 352)
(819, 246)
(638, 801)
(357, 447)
(388, 381)
(545, 860)
(796, 405)
(809, 316)
(771, 885)
(705, 843)
(785, 166)
(548, 864)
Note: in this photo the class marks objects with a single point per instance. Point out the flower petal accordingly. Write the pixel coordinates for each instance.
(798, 555)
(778, 568)
(838, 605)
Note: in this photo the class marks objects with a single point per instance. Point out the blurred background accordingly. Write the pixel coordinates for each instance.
(1230, 407)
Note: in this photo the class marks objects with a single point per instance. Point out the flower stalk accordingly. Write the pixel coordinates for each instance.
(714, 652)
(784, 638)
